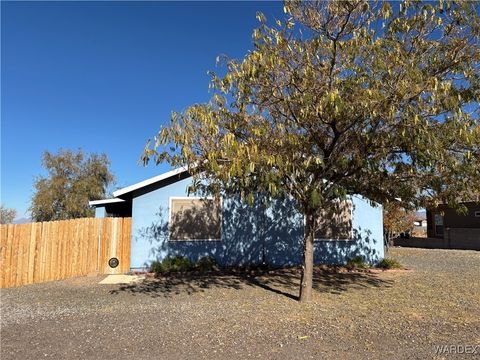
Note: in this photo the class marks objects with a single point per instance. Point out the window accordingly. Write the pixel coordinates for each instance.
(336, 224)
(194, 218)
(477, 213)
(438, 224)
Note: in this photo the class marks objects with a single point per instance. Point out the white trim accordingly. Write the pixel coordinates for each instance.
(150, 181)
(193, 198)
(105, 201)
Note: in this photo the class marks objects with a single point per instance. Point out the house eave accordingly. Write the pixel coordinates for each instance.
(96, 203)
(148, 182)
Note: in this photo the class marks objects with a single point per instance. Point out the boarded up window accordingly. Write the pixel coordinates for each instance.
(195, 219)
(336, 223)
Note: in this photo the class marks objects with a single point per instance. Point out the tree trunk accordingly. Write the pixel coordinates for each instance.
(387, 240)
(307, 269)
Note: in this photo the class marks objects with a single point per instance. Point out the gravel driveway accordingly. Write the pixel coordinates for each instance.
(394, 314)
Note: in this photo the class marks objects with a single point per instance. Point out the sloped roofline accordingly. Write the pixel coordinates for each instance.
(104, 201)
(150, 181)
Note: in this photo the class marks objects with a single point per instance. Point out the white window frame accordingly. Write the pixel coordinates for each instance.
(476, 214)
(351, 228)
(171, 198)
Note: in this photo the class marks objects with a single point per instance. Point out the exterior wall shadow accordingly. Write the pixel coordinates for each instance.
(251, 235)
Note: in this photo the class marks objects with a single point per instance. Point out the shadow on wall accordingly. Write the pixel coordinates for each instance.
(280, 281)
(362, 245)
(283, 238)
(239, 244)
(250, 235)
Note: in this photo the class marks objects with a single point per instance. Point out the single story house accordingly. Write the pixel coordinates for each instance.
(166, 221)
(458, 230)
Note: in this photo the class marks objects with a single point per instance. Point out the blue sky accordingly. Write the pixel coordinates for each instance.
(103, 76)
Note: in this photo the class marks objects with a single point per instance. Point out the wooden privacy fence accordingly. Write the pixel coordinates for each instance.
(55, 250)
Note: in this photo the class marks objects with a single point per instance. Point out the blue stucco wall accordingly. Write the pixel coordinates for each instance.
(250, 234)
(100, 212)
(283, 234)
(239, 244)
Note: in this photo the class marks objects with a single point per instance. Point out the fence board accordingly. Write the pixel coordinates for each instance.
(54, 250)
(19, 253)
(15, 256)
(11, 254)
(52, 244)
(31, 253)
(93, 249)
(127, 233)
(106, 245)
(47, 247)
(69, 245)
(3, 251)
(79, 256)
(7, 266)
(59, 269)
(37, 268)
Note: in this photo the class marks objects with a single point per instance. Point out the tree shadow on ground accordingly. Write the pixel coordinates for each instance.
(283, 282)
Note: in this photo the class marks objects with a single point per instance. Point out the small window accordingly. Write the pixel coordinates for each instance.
(477, 213)
(336, 224)
(438, 224)
(195, 219)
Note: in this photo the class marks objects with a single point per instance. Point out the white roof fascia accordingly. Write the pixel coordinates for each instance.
(150, 181)
(105, 201)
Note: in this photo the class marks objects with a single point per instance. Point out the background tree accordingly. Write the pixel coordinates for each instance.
(396, 220)
(7, 215)
(343, 97)
(73, 179)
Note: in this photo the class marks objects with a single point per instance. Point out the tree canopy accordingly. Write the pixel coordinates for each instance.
(341, 98)
(396, 220)
(73, 179)
(7, 215)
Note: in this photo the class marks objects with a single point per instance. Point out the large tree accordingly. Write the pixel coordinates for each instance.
(342, 97)
(73, 179)
(396, 220)
(7, 215)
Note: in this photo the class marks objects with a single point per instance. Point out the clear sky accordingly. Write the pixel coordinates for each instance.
(103, 76)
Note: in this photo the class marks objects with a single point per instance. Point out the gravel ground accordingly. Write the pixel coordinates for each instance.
(392, 314)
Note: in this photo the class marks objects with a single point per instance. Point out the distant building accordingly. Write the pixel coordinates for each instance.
(460, 231)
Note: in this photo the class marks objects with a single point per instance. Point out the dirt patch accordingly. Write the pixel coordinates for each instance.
(376, 314)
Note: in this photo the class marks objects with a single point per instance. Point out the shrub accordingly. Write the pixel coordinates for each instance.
(389, 263)
(156, 267)
(205, 264)
(357, 262)
(171, 264)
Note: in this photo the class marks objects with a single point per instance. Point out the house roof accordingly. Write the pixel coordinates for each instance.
(148, 182)
(105, 201)
(142, 185)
